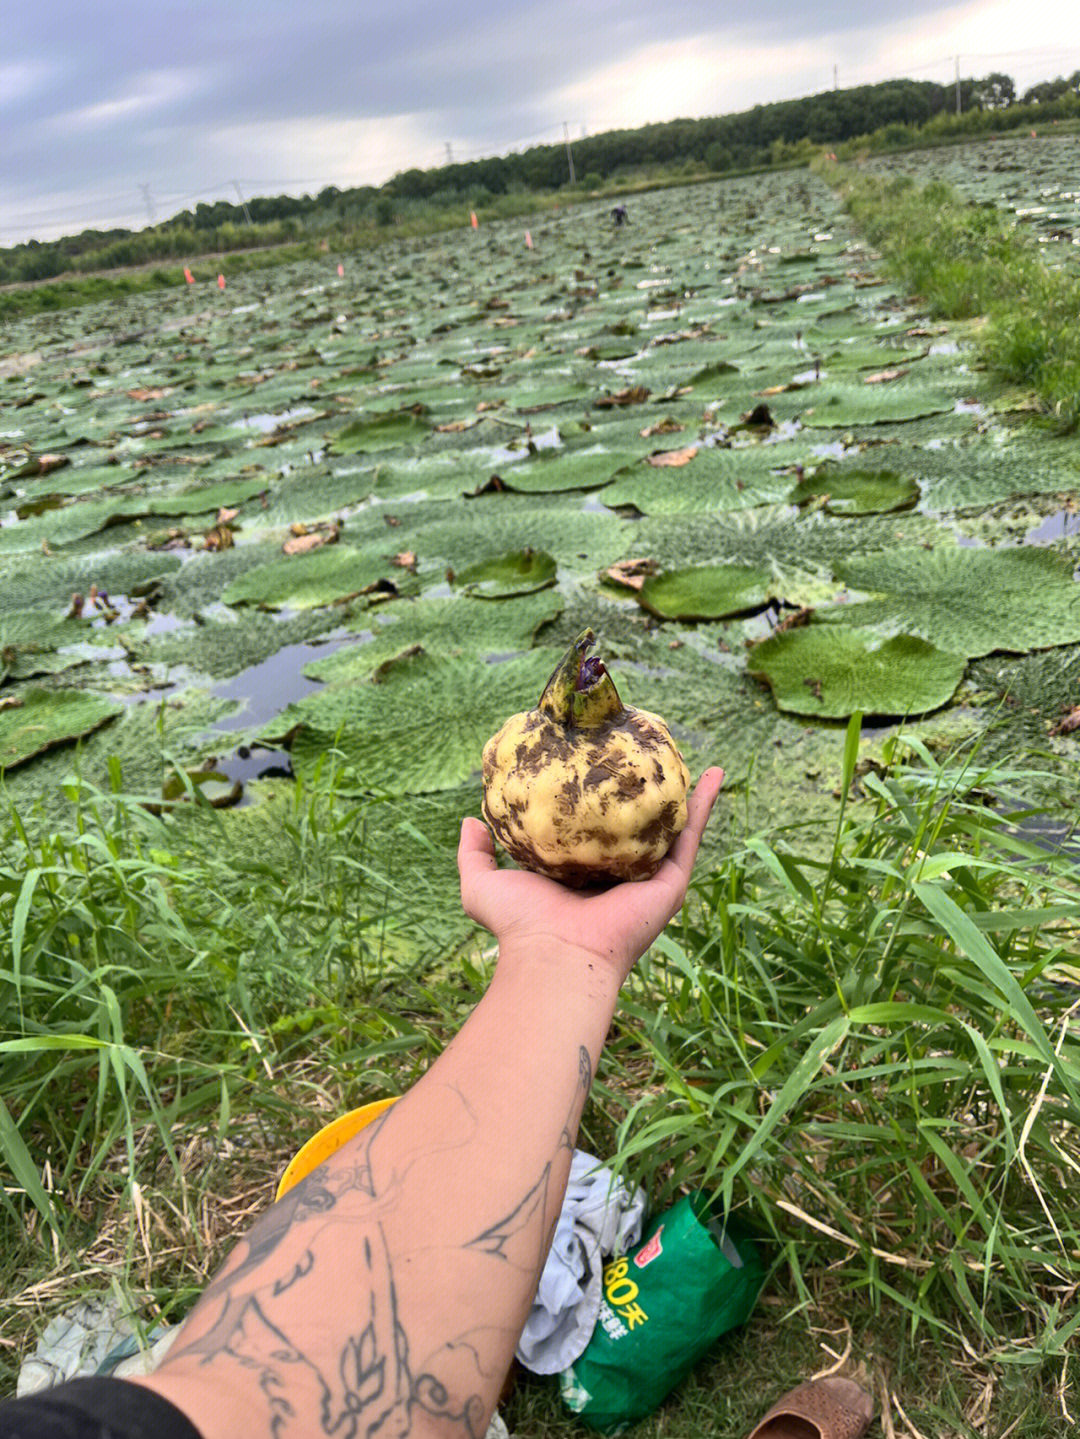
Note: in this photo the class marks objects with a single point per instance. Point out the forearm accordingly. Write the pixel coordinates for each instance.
(393, 1283)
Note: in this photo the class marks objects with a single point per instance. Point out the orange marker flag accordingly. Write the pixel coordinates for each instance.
(341, 272)
(528, 239)
(473, 221)
(188, 276)
(221, 282)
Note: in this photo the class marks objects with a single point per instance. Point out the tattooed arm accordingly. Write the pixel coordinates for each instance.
(384, 1294)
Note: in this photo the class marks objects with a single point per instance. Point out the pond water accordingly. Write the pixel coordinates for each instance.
(264, 690)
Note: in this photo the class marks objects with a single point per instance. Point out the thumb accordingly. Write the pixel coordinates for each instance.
(476, 849)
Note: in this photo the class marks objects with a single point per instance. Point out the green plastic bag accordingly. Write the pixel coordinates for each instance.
(664, 1304)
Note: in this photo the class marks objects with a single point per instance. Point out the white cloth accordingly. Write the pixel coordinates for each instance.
(599, 1217)
(88, 1338)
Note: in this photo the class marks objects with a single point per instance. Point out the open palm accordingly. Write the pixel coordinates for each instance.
(617, 924)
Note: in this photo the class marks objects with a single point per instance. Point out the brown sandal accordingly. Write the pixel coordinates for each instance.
(831, 1408)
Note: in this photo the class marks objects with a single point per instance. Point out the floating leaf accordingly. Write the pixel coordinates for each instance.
(47, 718)
(631, 574)
(835, 403)
(519, 573)
(444, 627)
(420, 730)
(969, 601)
(380, 432)
(550, 473)
(831, 672)
(706, 592)
(217, 789)
(301, 582)
(851, 491)
(545, 393)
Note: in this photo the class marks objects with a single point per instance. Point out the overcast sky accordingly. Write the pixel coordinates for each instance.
(115, 110)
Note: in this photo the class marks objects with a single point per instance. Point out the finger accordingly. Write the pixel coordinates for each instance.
(699, 806)
(476, 849)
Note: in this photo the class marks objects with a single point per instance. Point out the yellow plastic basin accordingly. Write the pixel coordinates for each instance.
(328, 1141)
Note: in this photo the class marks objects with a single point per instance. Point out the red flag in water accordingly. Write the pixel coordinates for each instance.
(473, 221)
(528, 239)
(221, 282)
(341, 272)
(188, 276)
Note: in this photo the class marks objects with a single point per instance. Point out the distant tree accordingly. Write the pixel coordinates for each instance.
(996, 92)
(1052, 90)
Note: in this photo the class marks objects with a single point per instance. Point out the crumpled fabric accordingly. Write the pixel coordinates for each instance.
(97, 1336)
(91, 1337)
(599, 1217)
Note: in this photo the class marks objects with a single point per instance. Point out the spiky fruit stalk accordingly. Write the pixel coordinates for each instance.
(584, 788)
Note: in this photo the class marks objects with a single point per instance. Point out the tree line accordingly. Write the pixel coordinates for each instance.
(888, 115)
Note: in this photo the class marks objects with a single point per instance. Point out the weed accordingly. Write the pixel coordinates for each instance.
(966, 261)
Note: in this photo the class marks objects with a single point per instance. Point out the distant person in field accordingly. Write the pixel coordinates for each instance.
(620, 216)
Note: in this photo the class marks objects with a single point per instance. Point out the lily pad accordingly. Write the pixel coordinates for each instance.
(970, 601)
(706, 592)
(519, 573)
(851, 491)
(29, 642)
(45, 718)
(565, 470)
(834, 403)
(380, 432)
(322, 577)
(216, 788)
(548, 394)
(448, 627)
(420, 729)
(831, 673)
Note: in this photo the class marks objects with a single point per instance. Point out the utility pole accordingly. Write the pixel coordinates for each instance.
(958, 84)
(243, 202)
(835, 78)
(569, 152)
(449, 153)
(148, 202)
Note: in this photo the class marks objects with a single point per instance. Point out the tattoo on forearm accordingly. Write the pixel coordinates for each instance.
(518, 1237)
(569, 1129)
(373, 1390)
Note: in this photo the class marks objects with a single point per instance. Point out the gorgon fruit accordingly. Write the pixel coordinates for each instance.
(583, 788)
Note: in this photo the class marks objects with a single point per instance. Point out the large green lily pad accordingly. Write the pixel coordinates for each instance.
(706, 592)
(549, 473)
(519, 573)
(304, 581)
(420, 729)
(46, 718)
(831, 673)
(380, 432)
(29, 642)
(835, 403)
(854, 491)
(968, 601)
(451, 628)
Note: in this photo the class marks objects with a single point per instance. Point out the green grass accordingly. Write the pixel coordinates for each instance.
(870, 1054)
(968, 261)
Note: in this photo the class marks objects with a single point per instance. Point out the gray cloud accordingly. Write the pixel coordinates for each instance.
(108, 95)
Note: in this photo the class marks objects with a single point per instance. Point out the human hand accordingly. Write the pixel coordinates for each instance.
(522, 909)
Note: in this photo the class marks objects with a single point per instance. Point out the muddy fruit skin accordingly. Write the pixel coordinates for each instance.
(583, 788)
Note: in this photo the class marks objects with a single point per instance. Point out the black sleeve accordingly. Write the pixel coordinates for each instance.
(100, 1408)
